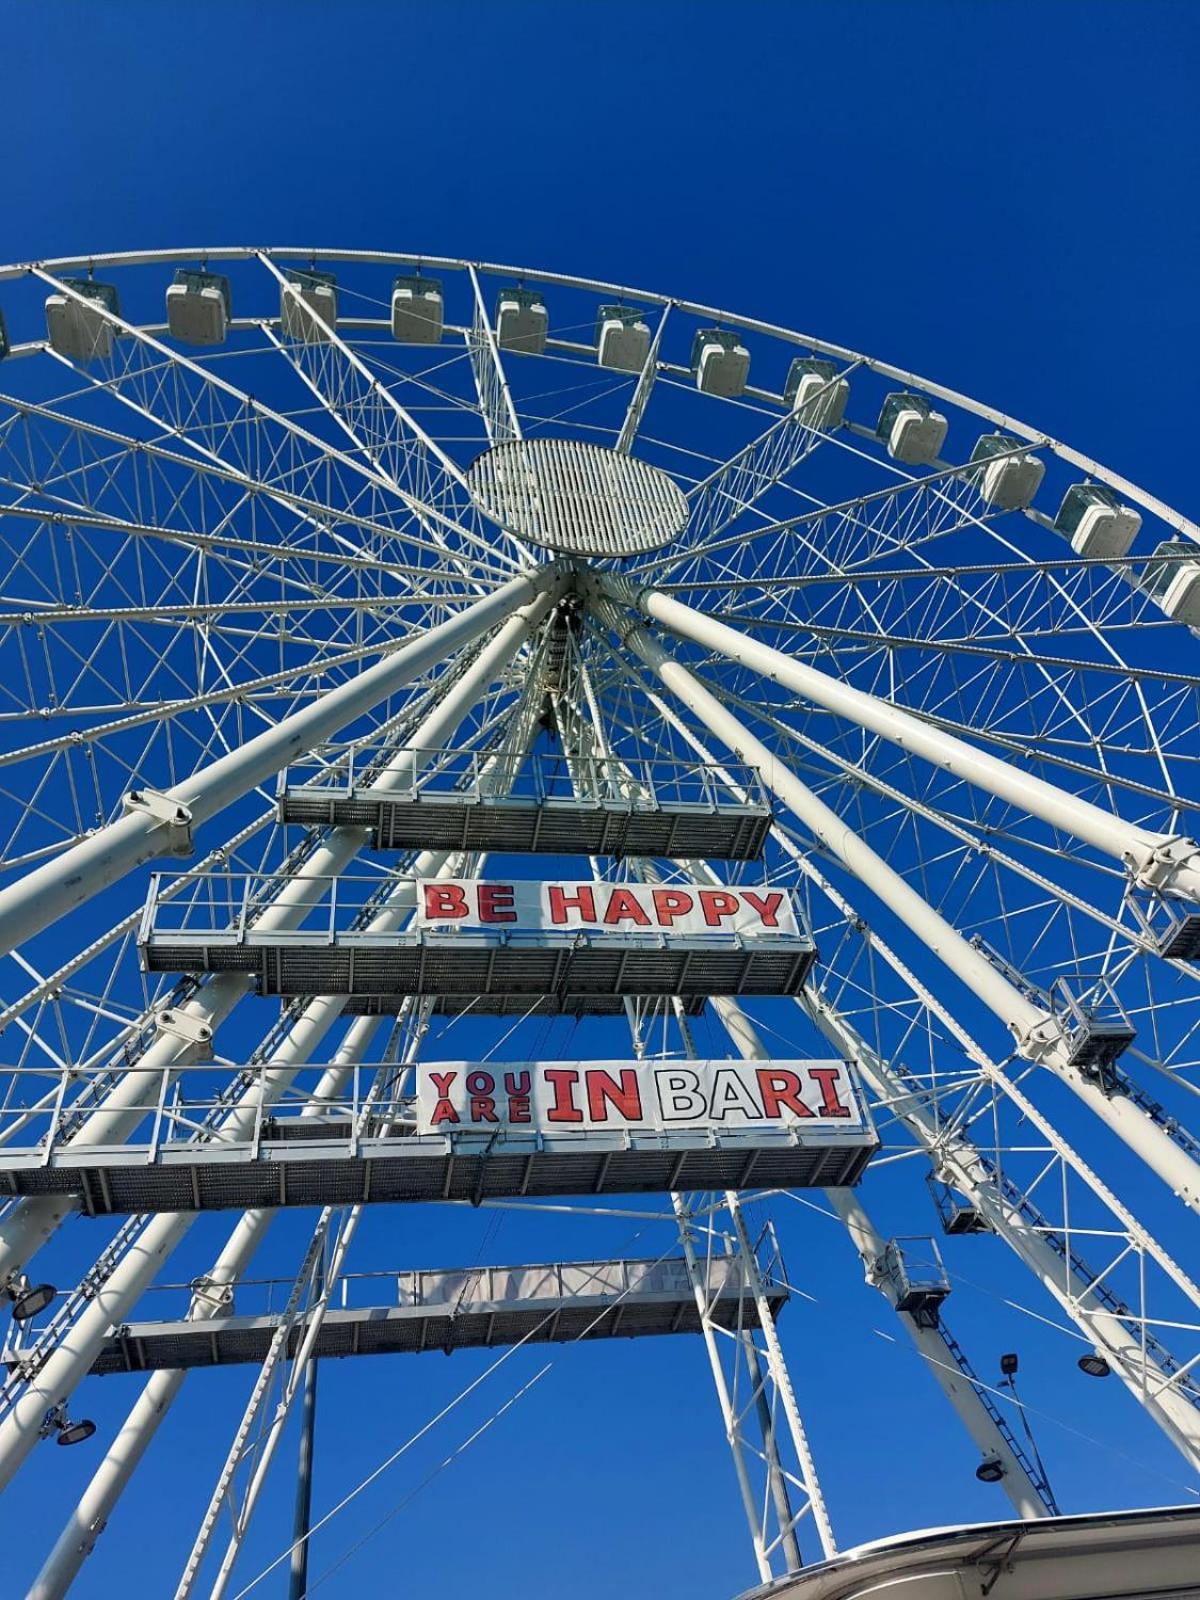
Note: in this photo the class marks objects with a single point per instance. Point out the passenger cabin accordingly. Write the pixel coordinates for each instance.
(1175, 581)
(418, 310)
(720, 363)
(911, 430)
(522, 321)
(622, 339)
(80, 329)
(1096, 522)
(199, 307)
(816, 394)
(1008, 481)
(309, 308)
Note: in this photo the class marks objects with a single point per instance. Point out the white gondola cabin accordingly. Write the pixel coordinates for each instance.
(522, 321)
(199, 305)
(308, 305)
(1175, 581)
(911, 430)
(720, 363)
(1096, 522)
(79, 329)
(418, 309)
(622, 339)
(816, 394)
(1008, 476)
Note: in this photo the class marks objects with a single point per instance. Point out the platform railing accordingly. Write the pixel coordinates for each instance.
(638, 783)
(187, 1106)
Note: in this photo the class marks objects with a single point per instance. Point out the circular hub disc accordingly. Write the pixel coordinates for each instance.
(578, 498)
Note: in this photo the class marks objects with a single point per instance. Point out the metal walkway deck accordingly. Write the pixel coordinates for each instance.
(312, 1161)
(478, 1309)
(582, 972)
(671, 810)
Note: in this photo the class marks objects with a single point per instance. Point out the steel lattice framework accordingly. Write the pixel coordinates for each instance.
(438, 512)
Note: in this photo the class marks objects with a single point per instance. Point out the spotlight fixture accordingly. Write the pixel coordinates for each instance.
(990, 1470)
(28, 1299)
(76, 1432)
(1008, 1364)
(1094, 1365)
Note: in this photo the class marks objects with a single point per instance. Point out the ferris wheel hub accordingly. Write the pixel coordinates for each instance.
(579, 498)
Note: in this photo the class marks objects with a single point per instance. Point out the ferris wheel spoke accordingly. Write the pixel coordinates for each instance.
(881, 523)
(221, 422)
(449, 529)
(136, 474)
(642, 389)
(491, 382)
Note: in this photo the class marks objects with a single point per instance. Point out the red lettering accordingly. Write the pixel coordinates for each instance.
(624, 906)
(516, 1087)
(671, 903)
(560, 902)
(780, 1088)
(443, 1111)
(494, 902)
(483, 1108)
(625, 1096)
(828, 1078)
(715, 904)
(480, 1083)
(444, 900)
(563, 1080)
(767, 906)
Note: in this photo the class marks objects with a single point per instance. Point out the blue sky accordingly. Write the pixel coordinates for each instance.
(1001, 196)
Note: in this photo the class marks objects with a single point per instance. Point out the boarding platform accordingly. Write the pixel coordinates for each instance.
(212, 928)
(460, 801)
(185, 1155)
(481, 1308)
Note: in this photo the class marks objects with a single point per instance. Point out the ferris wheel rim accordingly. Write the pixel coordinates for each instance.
(1000, 418)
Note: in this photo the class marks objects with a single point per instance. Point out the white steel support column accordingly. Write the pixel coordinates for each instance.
(1039, 1035)
(961, 1164)
(732, 1423)
(1155, 861)
(73, 1357)
(39, 898)
(931, 1345)
(78, 1538)
(32, 1221)
(929, 1341)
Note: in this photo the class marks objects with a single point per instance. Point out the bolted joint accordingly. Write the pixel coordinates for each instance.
(163, 812)
(182, 1025)
(1166, 865)
(210, 1298)
(1043, 1041)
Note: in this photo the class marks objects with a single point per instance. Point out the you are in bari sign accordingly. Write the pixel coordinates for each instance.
(565, 905)
(664, 1096)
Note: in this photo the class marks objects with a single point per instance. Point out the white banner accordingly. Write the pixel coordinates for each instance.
(568, 906)
(576, 1096)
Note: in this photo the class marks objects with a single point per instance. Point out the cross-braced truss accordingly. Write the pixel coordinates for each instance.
(252, 614)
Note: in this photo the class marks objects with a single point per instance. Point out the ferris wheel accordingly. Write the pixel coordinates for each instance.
(478, 735)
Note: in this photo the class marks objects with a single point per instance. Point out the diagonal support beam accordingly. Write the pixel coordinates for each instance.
(42, 896)
(1154, 861)
(1039, 1035)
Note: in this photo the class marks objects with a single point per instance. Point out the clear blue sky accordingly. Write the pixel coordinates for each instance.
(1001, 196)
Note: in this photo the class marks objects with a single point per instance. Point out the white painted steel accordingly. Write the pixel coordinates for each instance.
(579, 498)
(1038, 1034)
(73, 877)
(1167, 863)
